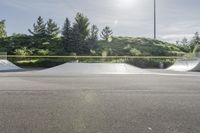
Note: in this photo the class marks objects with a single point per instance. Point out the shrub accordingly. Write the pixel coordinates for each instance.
(196, 50)
(43, 52)
(150, 63)
(135, 52)
(23, 51)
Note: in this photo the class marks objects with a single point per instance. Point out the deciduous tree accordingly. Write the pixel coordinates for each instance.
(106, 33)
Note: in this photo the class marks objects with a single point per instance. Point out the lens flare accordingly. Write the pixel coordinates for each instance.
(125, 3)
(116, 22)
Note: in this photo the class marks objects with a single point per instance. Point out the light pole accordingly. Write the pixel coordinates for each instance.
(154, 19)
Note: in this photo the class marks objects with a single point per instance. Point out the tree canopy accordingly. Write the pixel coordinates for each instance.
(2, 29)
(52, 29)
(39, 28)
(106, 33)
(82, 24)
(196, 39)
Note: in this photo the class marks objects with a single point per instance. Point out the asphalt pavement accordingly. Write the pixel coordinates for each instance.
(164, 102)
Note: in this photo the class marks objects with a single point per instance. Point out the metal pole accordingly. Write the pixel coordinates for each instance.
(154, 19)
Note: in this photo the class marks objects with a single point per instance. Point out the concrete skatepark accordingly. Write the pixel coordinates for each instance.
(125, 99)
(94, 68)
(186, 65)
(6, 65)
(183, 65)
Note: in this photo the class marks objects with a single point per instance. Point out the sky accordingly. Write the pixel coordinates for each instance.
(175, 18)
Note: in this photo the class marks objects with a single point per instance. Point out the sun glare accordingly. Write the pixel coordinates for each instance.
(125, 3)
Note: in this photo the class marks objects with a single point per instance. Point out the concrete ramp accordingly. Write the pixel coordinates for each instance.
(93, 68)
(6, 65)
(185, 65)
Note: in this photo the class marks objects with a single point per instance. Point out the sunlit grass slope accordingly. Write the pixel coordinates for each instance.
(128, 46)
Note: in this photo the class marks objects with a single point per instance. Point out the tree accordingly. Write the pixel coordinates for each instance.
(184, 41)
(93, 37)
(196, 39)
(184, 45)
(2, 29)
(78, 44)
(106, 33)
(66, 30)
(177, 42)
(39, 28)
(52, 29)
(80, 32)
(94, 32)
(39, 37)
(82, 23)
(74, 39)
(44, 34)
(52, 41)
(67, 36)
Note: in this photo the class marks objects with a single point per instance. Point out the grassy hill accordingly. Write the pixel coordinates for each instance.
(128, 46)
(119, 46)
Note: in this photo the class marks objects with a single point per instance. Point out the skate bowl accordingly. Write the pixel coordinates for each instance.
(186, 65)
(93, 68)
(6, 65)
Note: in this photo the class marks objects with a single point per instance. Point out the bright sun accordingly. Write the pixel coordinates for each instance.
(125, 3)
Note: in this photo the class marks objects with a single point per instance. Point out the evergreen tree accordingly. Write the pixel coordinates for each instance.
(52, 29)
(39, 28)
(66, 31)
(67, 36)
(39, 39)
(184, 41)
(177, 42)
(106, 33)
(52, 40)
(94, 32)
(196, 39)
(93, 37)
(78, 46)
(80, 32)
(82, 23)
(2, 29)
(74, 38)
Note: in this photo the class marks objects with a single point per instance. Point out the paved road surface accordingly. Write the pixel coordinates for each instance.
(99, 103)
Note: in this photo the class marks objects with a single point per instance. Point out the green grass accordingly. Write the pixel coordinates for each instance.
(141, 52)
(122, 46)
